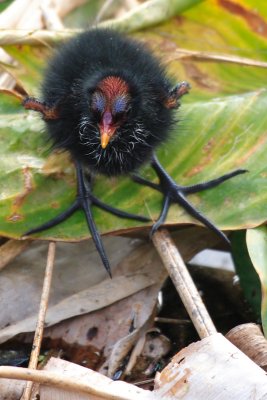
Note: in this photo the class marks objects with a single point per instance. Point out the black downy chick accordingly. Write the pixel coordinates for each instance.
(108, 101)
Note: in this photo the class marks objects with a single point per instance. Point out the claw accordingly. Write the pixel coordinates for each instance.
(214, 182)
(174, 193)
(163, 215)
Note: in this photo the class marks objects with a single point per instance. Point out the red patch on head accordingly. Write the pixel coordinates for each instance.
(113, 86)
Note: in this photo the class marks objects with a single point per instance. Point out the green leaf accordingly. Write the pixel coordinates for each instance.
(249, 279)
(222, 127)
(257, 248)
(4, 4)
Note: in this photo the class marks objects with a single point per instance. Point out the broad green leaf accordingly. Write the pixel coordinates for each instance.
(222, 127)
(257, 248)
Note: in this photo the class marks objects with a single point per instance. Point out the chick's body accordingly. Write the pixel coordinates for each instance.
(107, 100)
(71, 80)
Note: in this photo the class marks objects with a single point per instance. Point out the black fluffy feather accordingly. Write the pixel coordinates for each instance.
(69, 82)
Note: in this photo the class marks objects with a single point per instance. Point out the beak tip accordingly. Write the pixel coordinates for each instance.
(104, 140)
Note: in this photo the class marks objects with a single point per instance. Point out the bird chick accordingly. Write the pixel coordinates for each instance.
(109, 102)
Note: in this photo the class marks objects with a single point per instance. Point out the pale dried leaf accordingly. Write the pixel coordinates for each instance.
(10, 389)
(109, 388)
(212, 369)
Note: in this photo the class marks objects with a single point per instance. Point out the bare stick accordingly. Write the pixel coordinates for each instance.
(183, 283)
(41, 317)
(91, 383)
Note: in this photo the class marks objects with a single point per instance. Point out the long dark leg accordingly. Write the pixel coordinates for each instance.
(85, 200)
(174, 193)
(84, 192)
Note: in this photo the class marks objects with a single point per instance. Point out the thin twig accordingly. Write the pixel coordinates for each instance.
(183, 283)
(41, 317)
(174, 321)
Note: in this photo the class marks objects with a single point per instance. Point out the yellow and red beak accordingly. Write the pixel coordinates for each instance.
(107, 129)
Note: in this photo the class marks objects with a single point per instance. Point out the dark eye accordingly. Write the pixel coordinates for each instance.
(98, 102)
(120, 105)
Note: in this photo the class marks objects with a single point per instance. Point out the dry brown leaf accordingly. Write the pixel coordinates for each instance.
(77, 268)
(98, 296)
(78, 286)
